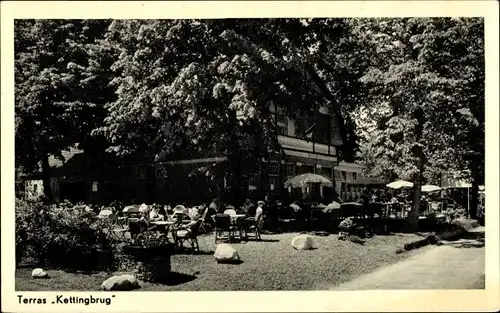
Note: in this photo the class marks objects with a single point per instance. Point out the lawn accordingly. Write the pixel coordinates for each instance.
(271, 264)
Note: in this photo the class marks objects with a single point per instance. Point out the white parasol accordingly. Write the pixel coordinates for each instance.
(430, 188)
(400, 184)
(308, 178)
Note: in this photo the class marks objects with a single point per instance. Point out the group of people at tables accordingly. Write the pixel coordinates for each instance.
(148, 215)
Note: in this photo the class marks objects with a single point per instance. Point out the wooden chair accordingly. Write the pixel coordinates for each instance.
(135, 227)
(189, 234)
(118, 230)
(203, 218)
(223, 225)
(255, 227)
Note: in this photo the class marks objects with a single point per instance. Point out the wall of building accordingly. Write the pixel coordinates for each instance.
(33, 189)
(345, 174)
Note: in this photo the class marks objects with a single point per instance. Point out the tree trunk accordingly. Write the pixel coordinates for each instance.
(150, 181)
(474, 196)
(47, 190)
(415, 210)
(236, 182)
(420, 157)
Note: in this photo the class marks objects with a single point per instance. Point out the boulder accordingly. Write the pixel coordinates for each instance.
(303, 242)
(39, 273)
(224, 253)
(120, 283)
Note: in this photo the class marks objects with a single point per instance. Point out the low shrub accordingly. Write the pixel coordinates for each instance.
(62, 238)
(346, 225)
(452, 214)
(429, 240)
(480, 215)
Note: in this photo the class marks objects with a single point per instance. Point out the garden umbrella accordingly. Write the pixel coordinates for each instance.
(308, 178)
(400, 184)
(430, 188)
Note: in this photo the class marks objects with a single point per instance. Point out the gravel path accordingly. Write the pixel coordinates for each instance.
(441, 267)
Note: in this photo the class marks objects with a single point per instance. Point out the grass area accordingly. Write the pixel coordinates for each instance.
(480, 284)
(271, 264)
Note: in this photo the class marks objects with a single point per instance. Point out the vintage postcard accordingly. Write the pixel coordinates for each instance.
(250, 156)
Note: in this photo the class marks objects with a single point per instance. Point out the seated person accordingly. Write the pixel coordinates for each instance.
(249, 208)
(155, 215)
(258, 211)
(144, 220)
(194, 213)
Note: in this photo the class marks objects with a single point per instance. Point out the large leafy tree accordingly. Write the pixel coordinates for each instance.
(208, 85)
(53, 108)
(429, 84)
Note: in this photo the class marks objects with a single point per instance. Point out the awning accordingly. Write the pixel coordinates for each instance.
(310, 158)
(367, 181)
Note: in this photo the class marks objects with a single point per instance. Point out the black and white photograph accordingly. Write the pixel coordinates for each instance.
(249, 154)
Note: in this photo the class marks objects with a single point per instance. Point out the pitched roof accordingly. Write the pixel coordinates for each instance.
(323, 89)
(67, 155)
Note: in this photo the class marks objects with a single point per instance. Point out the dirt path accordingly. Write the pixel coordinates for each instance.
(441, 267)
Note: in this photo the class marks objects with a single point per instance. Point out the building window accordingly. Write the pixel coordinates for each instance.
(282, 129)
(290, 170)
(337, 175)
(343, 176)
(326, 172)
(354, 176)
(322, 130)
(273, 182)
(273, 168)
(303, 124)
(35, 188)
(253, 180)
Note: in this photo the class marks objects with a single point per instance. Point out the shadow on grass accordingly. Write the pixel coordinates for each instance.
(236, 262)
(264, 240)
(176, 278)
(67, 269)
(189, 252)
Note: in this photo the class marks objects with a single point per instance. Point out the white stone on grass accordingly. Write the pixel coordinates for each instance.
(120, 283)
(224, 253)
(39, 273)
(303, 242)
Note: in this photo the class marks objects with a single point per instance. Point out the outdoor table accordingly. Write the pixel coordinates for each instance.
(166, 224)
(234, 221)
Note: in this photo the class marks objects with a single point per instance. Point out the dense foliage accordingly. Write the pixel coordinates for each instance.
(427, 93)
(59, 238)
(57, 103)
(411, 90)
